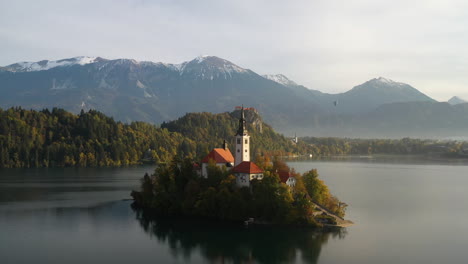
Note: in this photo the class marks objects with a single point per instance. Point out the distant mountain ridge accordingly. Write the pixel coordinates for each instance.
(281, 79)
(377, 92)
(215, 64)
(362, 98)
(456, 100)
(131, 90)
(46, 64)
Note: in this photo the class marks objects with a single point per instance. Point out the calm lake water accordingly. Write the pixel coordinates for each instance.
(406, 211)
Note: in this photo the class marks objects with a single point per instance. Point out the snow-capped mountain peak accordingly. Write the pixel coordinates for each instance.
(209, 67)
(280, 78)
(46, 64)
(202, 67)
(384, 80)
(201, 58)
(385, 83)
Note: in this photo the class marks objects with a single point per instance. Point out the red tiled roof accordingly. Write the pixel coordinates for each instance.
(219, 155)
(284, 176)
(247, 167)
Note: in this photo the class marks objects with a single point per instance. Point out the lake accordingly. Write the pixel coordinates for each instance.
(405, 211)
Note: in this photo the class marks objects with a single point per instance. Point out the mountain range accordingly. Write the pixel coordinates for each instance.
(155, 92)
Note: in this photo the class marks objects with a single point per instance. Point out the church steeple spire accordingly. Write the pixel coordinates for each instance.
(242, 141)
(242, 130)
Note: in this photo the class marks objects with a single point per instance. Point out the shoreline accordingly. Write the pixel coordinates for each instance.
(427, 158)
(402, 158)
(137, 199)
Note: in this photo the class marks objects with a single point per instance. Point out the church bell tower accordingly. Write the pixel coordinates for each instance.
(242, 141)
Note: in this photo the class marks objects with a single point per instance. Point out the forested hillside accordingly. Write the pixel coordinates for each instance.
(57, 138)
(209, 130)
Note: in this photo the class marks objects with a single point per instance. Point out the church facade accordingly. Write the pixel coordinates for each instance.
(242, 168)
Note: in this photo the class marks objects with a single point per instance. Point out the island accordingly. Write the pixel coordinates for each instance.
(230, 187)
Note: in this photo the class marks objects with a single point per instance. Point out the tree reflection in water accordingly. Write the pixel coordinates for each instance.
(233, 243)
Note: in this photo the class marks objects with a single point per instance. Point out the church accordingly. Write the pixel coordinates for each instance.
(240, 164)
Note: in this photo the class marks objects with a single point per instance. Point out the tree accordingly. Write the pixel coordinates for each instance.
(315, 187)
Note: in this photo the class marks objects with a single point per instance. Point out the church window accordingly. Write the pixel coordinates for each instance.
(238, 141)
(245, 150)
(238, 150)
(246, 141)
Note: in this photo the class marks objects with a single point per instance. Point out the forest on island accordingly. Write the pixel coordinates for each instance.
(175, 189)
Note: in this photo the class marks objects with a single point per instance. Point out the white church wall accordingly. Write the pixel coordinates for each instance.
(242, 179)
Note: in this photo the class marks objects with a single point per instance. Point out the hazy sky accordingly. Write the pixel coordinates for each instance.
(325, 45)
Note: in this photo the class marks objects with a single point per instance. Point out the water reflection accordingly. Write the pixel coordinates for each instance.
(232, 243)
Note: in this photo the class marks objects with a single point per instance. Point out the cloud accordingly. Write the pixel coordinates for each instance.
(325, 45)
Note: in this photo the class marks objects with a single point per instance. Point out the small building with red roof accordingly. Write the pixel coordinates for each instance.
(245, 172)
(221, 156)
(287, 178)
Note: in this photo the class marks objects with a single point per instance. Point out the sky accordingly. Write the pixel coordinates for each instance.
(327, 45)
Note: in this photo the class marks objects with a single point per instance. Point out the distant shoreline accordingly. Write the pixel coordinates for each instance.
(384, 157)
